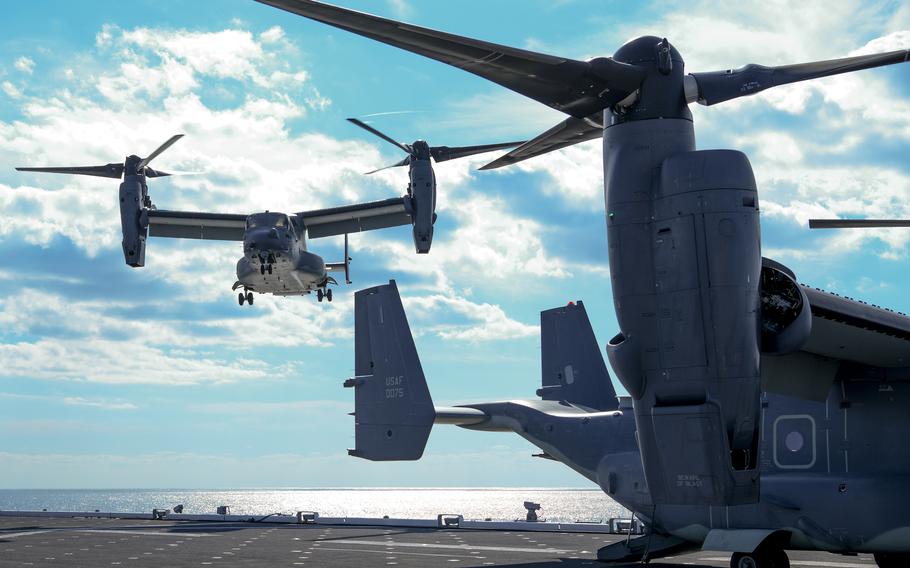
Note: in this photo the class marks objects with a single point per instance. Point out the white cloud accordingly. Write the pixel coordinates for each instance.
(490, 247)
(801, 192)
(11, 90)
(119, 362)
(487, 322)
(776, 147)
(25, 64)
(401, 8)
(103, 404)
(272, 35)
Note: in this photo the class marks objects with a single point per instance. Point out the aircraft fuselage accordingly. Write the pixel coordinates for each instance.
(834, 473)
(275, 259)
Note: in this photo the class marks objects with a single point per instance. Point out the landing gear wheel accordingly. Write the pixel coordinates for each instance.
(891, 559)
(328, 295)
(261, 269)
(270, 268)
(319, 295)
(241, 298)
(775, 558)
(249, 298)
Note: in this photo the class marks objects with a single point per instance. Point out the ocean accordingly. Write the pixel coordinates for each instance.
(560, 505)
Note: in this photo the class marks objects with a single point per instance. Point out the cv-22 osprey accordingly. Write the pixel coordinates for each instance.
(683, 233)
(833, 425)
(275, 256)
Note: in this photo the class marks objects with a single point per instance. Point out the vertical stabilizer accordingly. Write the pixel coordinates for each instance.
(393, 409)
(573, 368)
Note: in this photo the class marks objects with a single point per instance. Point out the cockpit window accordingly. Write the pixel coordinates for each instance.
(267, 220)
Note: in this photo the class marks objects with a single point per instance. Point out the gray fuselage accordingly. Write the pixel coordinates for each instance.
(834, 473)
(271, 239)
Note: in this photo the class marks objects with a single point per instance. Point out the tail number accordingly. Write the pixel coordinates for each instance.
(394, 387)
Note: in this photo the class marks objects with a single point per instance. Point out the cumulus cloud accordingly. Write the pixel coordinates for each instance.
(25, 64)
(485, 322)
(11, 90)
(102, 404)
(252, 161)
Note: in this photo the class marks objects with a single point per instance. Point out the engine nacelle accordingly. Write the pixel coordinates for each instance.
(423, 202)
(133, 192)
(786, 317)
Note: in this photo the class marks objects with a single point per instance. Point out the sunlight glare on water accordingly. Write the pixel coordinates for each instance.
(562, 505)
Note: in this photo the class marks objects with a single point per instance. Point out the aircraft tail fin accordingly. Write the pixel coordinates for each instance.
(572, 366)
(393, 409)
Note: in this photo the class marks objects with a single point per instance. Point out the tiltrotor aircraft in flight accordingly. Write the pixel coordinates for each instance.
(706, 326)
(275, 256)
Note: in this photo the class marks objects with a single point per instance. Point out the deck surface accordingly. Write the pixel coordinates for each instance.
(93, 542)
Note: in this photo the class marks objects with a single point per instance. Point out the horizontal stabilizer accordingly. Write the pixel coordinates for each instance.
(393, 409)
(572, 366)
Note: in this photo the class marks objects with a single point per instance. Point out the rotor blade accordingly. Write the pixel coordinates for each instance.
(719, 86)
(403, 162)
(566, 133)
(158, 150)
(107, 171)
(443, 153)
(857, 223)
(368, 128)
(578, 88)
(149, 172)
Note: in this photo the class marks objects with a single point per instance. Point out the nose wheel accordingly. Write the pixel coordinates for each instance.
(247, 297)
(324, 294)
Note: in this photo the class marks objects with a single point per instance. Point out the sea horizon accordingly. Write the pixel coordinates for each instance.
(494, 503)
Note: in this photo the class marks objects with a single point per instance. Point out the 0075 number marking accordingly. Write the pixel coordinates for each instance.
(394, 387)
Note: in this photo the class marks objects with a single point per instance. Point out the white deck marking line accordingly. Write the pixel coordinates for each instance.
(361, 550)
(822, 564)
(458, 546)
(102, 531)
(18, 534)
(138, 532)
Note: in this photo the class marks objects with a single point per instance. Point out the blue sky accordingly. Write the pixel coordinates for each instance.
(117, 377)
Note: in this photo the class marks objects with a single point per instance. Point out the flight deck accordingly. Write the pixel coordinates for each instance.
(101, 542)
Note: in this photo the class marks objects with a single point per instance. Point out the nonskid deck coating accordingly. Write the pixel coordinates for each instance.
(94, 542)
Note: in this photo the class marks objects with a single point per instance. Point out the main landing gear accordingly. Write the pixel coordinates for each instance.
(247, 297)
(327, 294)
(763, 557)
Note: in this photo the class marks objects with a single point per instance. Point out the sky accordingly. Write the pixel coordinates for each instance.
(117, 377)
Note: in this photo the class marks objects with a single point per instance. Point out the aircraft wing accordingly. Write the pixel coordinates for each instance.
(194, 225)
(356, 218)
(847, 336)
(843, 328)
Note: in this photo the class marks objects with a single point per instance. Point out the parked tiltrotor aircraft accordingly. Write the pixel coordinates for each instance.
(683, 232)
(275, 256)
(684, 246)
(832, 424)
